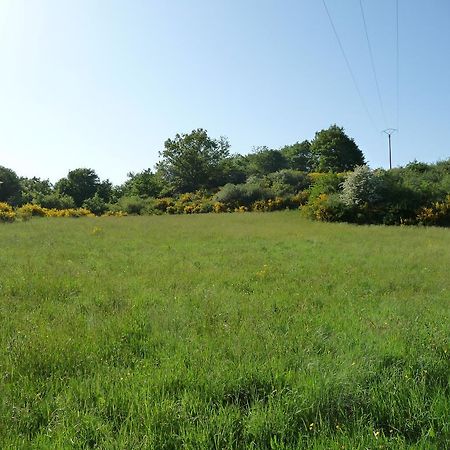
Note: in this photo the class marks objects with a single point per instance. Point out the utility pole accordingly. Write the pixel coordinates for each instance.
(390, 132)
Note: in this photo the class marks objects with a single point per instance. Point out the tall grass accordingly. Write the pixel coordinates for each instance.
(258, 331)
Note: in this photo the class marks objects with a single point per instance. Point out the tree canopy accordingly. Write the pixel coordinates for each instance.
(298, 155)
(80, 184)
(333, 151)
(9, 186)
(192, 161)
(265, 160)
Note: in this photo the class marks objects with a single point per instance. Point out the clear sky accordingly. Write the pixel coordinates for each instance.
(103, 83)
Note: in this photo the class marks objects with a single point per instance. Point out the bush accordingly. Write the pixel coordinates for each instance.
(285, 182)
(55, 200)
(437, 214)
(71, 212)
(360, 187)
(130, 205)
(96, 205)
(29, 210)
(276, 204)
(162, 204)
(6, 213)
(326, 208)
(324, 183)
(219, 207)
(236, 195)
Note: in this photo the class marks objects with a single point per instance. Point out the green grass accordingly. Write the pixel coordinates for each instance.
(259, 331)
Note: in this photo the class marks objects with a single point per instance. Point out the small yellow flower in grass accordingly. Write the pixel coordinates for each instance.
(97, 230)
(263, 271)
(311, 426)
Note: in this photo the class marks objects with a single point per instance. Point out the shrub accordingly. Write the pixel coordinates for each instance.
(299, 199)
(130, 205)
(219, 207)
(162, 204)
(324, 183)
(71, 212)
(269, 205)
(236, 195)
(96, 205)
(288, 181)
(326, 208)
(30, 209)
(437, 214)
(362, 186)
(6, 213)
(55, 200)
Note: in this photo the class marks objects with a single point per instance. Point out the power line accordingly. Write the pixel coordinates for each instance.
(349, 66)
(398, 67)
(373, 63)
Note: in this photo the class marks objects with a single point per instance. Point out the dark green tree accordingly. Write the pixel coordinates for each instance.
(105, 190)
(298, 156)
(143, 184)
(33, 189)
(80, 184)
(9, 186)
(192, 161)
(333, 151)
(265, 160)
(234, 169)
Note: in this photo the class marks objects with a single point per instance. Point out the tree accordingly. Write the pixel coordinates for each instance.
(234, 169)
(298, 156)
(9, 186)
(333, 151)
(33, 189)
(80, 184)
(105, 190)
(192, 161)
(265, 160)
(142, 184)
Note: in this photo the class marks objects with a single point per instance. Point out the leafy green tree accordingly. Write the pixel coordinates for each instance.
(55, 200)
(234, 169)
(34, 188)
(265, 160)
(143, 184)
(298, 156)
(105, 190)
(192, 161)
(80, 184)
(9, 186)
(333, 151)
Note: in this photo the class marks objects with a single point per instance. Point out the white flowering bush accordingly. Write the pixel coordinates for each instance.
(362, 186)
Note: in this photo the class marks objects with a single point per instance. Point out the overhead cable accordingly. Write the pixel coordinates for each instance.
(372, 61)
(347, 62)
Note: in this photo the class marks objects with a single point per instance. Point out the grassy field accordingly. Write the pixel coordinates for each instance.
(258, 331)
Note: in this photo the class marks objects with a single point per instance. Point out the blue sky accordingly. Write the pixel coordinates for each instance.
(103, 83)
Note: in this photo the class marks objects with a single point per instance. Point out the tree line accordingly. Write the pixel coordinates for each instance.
(326, 177)
(188, 163)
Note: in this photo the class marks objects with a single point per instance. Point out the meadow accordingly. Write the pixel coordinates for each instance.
(226, 331)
